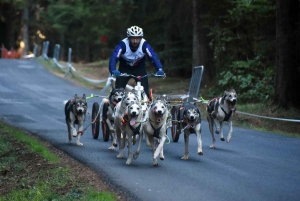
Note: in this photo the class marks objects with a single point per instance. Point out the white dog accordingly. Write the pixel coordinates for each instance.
(220, 110)
(132, 126)
(119, 113)
(155, 127)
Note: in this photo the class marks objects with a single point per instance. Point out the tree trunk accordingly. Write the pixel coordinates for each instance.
(287, 70)
(25, 30)
(202, 53)
(196, 35)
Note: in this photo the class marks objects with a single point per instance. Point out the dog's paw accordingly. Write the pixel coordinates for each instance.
(162, 158)
(217, 131)
(74, 134)
(155, 163)
(115, 144)
(111, 148)
(212, 147)
(120, 156)
(128, 162)
(135, 155)
(200, 153)
(79, 144)
(222, 139)
(185, 157)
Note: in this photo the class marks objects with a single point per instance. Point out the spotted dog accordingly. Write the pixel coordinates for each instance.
(220, 110)
(155, 127)
(190, 117)
(109, 105)
(75, 112)
(132, 126)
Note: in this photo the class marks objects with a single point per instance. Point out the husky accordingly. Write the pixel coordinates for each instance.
(220, 110)
(119, 113)
(156, 127)
(108, 117)
(132, 126)
(75, 112)
(190, 117)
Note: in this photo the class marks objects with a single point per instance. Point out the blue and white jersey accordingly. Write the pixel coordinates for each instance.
(133, 59)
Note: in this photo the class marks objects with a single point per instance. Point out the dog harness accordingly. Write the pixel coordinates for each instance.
(227, 116)
(156, 131)
(210, 108)
(135, 130)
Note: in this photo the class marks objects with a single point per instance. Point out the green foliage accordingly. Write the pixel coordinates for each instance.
(250, 79)
(244, 47)
(240, 31)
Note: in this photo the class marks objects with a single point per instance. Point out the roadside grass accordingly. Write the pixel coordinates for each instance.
(75, 76)
(29, 171)
(269, 125)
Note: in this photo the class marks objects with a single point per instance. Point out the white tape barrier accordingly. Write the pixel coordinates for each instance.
(184, 96)
(281, 119)
(74, 70)
(58, 64)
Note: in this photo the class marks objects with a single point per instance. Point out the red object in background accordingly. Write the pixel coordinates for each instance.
(10, 54)
(103, 39)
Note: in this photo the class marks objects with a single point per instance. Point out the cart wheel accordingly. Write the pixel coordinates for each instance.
(105, 130)
(104, 125)
(175, 124)
(96, 124)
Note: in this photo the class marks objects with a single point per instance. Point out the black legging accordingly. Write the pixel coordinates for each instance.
(122, 81)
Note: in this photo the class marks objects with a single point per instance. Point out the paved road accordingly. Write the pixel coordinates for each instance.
(253, 166)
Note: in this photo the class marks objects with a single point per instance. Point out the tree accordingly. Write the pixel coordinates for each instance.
(25, 28)
(287, 71)
(202, 53)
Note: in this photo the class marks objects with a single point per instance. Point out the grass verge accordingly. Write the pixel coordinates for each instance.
(30, 171)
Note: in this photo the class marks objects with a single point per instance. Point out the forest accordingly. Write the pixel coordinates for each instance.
(252, 46)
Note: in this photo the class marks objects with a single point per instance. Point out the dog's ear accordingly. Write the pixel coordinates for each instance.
(75, 96)
(84, 97)
(223, 97)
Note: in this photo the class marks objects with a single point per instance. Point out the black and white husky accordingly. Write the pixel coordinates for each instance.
(219, 110)
(190, 117)
(75, 111)
(116, 95)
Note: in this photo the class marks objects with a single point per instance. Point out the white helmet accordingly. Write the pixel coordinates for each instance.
(135, 31)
